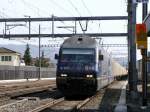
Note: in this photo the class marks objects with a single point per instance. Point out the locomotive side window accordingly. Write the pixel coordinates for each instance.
(101, 57)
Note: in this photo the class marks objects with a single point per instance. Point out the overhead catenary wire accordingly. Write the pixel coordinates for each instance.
(22, 40)
(33, 7)
(76, 9)
(60, 7)
(65, 10)
(87, 10)
(28, 4)
(77, 12)
(86, 7)
(3, 14)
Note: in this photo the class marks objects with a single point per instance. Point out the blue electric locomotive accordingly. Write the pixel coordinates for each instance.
(82, 67)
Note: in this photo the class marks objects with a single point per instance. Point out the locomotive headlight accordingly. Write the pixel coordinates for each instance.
(89, 76)
(63, 75)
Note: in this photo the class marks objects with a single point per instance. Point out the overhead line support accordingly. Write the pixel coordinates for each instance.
(64, 18)
(64, 35)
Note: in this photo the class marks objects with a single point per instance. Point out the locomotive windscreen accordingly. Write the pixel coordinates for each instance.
(77, 60)
(78, 55)
(78, 51)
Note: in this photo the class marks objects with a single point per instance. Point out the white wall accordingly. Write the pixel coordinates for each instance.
(15, 59)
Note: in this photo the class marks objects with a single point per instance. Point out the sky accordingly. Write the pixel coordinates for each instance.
(67, 8)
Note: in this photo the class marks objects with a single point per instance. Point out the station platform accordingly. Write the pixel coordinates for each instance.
(135, 105)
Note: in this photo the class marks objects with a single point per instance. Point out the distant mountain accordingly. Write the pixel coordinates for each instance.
(34, 50)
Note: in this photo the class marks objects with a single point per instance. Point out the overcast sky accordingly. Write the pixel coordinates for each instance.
(45, 8)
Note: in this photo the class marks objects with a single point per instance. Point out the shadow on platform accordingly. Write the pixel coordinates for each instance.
(135, 105)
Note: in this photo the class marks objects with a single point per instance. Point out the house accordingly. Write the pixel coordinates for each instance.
(9, 57)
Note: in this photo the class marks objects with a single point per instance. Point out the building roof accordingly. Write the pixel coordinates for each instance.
(5, 50)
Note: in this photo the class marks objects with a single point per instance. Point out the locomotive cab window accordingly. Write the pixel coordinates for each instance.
(56, 56)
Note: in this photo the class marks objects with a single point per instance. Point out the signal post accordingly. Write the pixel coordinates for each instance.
(141, 40)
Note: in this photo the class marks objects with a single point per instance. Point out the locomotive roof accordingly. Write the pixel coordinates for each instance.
(79, 42)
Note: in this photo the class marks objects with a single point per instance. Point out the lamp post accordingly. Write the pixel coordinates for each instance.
(39, 52)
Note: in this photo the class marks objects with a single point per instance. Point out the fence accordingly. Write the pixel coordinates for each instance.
(24, 72)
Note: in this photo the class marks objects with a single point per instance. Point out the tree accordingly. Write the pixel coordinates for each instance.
(44, 62)
(27, 56)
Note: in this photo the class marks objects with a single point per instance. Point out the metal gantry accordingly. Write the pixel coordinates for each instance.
(53, 19)
(62, 35)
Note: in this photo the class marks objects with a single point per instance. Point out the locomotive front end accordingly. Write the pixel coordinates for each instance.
(76, 68)
(76, 73)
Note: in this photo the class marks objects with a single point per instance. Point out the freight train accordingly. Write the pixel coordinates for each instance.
(83, 67)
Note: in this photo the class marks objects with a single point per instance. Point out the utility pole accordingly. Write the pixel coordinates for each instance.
(29, 29)
(132, 80)
(52, 26)
(39, 52)
(29, 25)
(144, 61)
(75, 27)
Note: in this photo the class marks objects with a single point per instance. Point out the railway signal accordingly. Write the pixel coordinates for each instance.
(141, 36)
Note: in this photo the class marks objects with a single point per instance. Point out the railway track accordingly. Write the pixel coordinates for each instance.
(72, 105)
(103, 101)
(18, 91)
(54, 102)
(107, 99)
(11, 101)
(24, 85)
(25, 103)
(46, 104)
(15, 93)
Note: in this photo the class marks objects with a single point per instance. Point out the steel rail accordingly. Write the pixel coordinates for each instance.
(47, 105)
